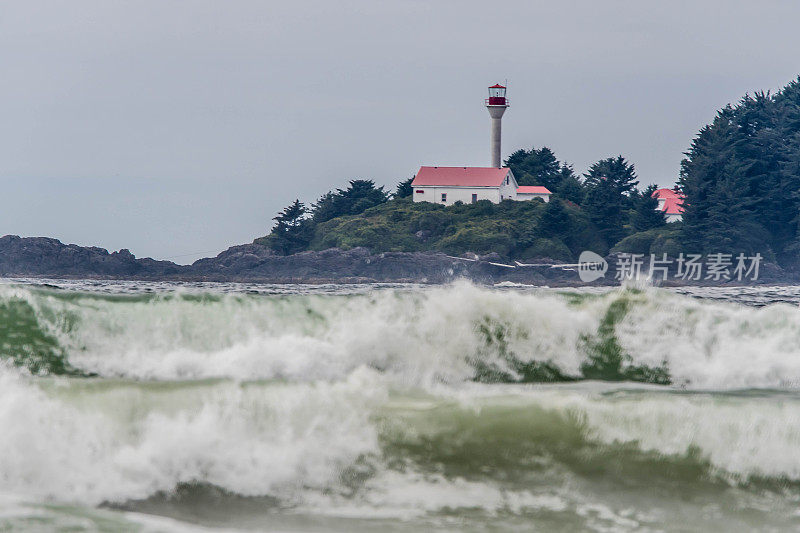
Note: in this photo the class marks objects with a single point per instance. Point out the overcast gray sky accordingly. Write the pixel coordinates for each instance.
(178, 128)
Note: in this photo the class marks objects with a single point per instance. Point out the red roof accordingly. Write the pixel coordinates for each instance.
(497, 86)
(533, 189)
(460, 176)
(673, 201)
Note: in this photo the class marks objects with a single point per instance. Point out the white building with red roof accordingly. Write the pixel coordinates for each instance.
(670, 201)
(529, 192)
(448, 185)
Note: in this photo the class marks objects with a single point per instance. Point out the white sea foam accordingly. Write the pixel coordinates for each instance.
(417, 337)
(714, 344)
(123, 441)
(739, 435)
(91, 442)
(317, 379)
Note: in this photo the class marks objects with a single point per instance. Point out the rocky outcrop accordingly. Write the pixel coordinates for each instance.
(255, 262)
(43, 256)
(46, 257)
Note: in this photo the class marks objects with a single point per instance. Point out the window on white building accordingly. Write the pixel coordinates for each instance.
(444, 196)
(474, 198)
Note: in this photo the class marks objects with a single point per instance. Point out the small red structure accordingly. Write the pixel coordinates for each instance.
(497, 95)
(533, 189)
(670, 201)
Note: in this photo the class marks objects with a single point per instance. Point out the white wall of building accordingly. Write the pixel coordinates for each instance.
(508, 190)
(522, 196)
(455, 194)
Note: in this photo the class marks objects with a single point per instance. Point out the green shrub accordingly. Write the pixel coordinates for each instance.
(655, 241)
(547, 248)
(480, 237)
(638, 243)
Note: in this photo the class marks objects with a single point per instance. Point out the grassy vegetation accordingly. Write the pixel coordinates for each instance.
(512, 229)
(657, 241)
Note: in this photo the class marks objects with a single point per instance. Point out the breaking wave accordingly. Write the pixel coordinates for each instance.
(403, 405)
(449, 334)
(358, 447)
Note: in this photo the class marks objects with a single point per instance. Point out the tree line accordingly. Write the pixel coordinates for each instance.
(741, 177)
(608, 192)
(294, 226)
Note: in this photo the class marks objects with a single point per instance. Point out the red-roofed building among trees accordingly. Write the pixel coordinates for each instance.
(448, 185)
(670, 201)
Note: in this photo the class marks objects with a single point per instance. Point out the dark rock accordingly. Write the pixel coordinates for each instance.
(46, 257)
(42, 256)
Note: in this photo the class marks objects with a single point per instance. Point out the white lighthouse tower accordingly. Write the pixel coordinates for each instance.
(497, 103)
(470, 185)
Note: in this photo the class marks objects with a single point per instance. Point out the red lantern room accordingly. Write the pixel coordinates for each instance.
(497, 95)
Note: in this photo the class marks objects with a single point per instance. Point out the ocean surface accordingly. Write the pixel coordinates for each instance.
(132, 406)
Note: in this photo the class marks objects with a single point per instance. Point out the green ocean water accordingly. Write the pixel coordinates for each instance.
(161, 407)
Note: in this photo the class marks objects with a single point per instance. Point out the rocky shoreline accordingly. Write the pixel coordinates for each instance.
(49, 258)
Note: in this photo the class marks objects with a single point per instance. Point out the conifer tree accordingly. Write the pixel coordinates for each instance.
(536, 167)
(725, 199)
(359, 196)
(404, 189)
(570, 188)
(609, 184)
(645, 214)
(291, 232)
(555, 220)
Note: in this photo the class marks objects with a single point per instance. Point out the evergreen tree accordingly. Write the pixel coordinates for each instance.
(753, 147)
(760, 157)
(708, 158)
(570, 188)
(733, 225)
(616, 172)
(555, 221)
(609, 184)
(326, 208)
(291, 232)
(359, 196)
(645, 214)
(721, 211)
(788, 189)
(535, 167)
(404, 189)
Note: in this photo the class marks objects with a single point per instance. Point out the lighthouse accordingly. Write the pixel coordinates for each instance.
(470, 185)
(496, 104)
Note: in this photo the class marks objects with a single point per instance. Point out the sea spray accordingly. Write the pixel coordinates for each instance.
(112, 441)
(448, 334)
(398, 409)
(362, 445)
